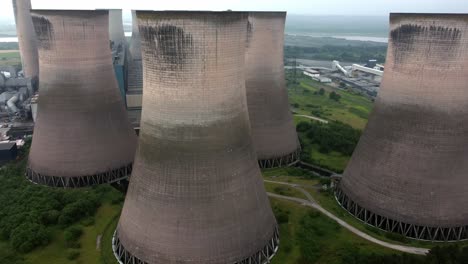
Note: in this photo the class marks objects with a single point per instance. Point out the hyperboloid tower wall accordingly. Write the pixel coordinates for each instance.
(196, 195)
(135, 41)
(26, 38)
(408, 173)
(82, 136)
(116, 30)
(273, 131)
(135, 71)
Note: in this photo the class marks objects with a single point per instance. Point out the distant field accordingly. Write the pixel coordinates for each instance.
(352, 109)
(9, 51)
(10, 57)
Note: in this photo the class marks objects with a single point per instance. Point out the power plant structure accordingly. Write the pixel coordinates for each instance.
(408, 172)
(82, 135)
(26, 38)
(135, 71)
(273, 131)
(116, 31)
(196, 194)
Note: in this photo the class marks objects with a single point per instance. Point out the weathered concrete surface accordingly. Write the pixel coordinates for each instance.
(411, 162)
(196, 193)
(82, 127)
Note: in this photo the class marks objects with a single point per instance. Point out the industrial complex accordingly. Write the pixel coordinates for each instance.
(196, 193)
(273, 130)
(408, 172)
(82, 135)
(188, 112)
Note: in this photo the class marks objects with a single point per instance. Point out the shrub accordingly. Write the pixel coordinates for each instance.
(303, 126)
(28, 236)
(73, 254)
(72, 234)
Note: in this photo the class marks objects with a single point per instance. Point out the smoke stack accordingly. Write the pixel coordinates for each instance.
(273, 131)
(196, 194)
(116, 30)
(26, 38)
(82, 136)
(408, 172)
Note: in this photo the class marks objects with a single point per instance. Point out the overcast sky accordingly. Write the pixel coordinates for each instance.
(314, 7)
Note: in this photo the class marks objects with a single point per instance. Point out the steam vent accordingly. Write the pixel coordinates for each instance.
(116, 31)
(408, 173)
(26, 38)
(82, 136)
(273, 131)
(196, 194)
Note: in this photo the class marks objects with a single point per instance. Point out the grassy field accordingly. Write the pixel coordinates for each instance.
(352, 108)
(327, 200)
(332, 243)
(57, 251)
(10, 57)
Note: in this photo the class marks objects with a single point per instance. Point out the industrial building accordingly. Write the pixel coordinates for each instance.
(273, 131)
(82, 135)
(26, 38)
(135, 70)
(196, 193)
(408, 172)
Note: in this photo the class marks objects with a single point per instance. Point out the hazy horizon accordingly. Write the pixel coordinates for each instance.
(293, 7)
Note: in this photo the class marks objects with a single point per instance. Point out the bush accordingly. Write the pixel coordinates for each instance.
(334, 96)
(72, 234)
(321, 91)
(28, 236)
(303, 126)
(50, 217)
(73, 254)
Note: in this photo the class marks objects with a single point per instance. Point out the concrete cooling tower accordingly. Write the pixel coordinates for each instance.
(196, 194)
(408, 174)
(273, 131)
(135, 71)
(116, 30)
(26, 38)
(82, 136)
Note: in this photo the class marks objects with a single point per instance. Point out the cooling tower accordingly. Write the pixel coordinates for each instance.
(273, 131)
(196, 194)
(408, 173)
(26, 38)
(82, 136)
(135, 71)
(135, 42)
(116, 31)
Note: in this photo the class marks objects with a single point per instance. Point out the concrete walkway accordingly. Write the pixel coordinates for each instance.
(311, 203)
(313, 118)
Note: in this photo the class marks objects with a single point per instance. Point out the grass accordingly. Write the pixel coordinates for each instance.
(332, 242)
(327, 200)
(352, 108)
(103, 223)
(285, 190)
(10, 58)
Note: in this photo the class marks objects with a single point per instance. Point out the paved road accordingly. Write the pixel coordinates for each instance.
(311, 203)
(313, 118)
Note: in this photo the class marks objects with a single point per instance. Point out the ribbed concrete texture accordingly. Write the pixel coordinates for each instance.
(273, 131)
(116, 30)
(82, 135)
(408, 173)
(135, 71)
(26, 38)
(196, 194)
